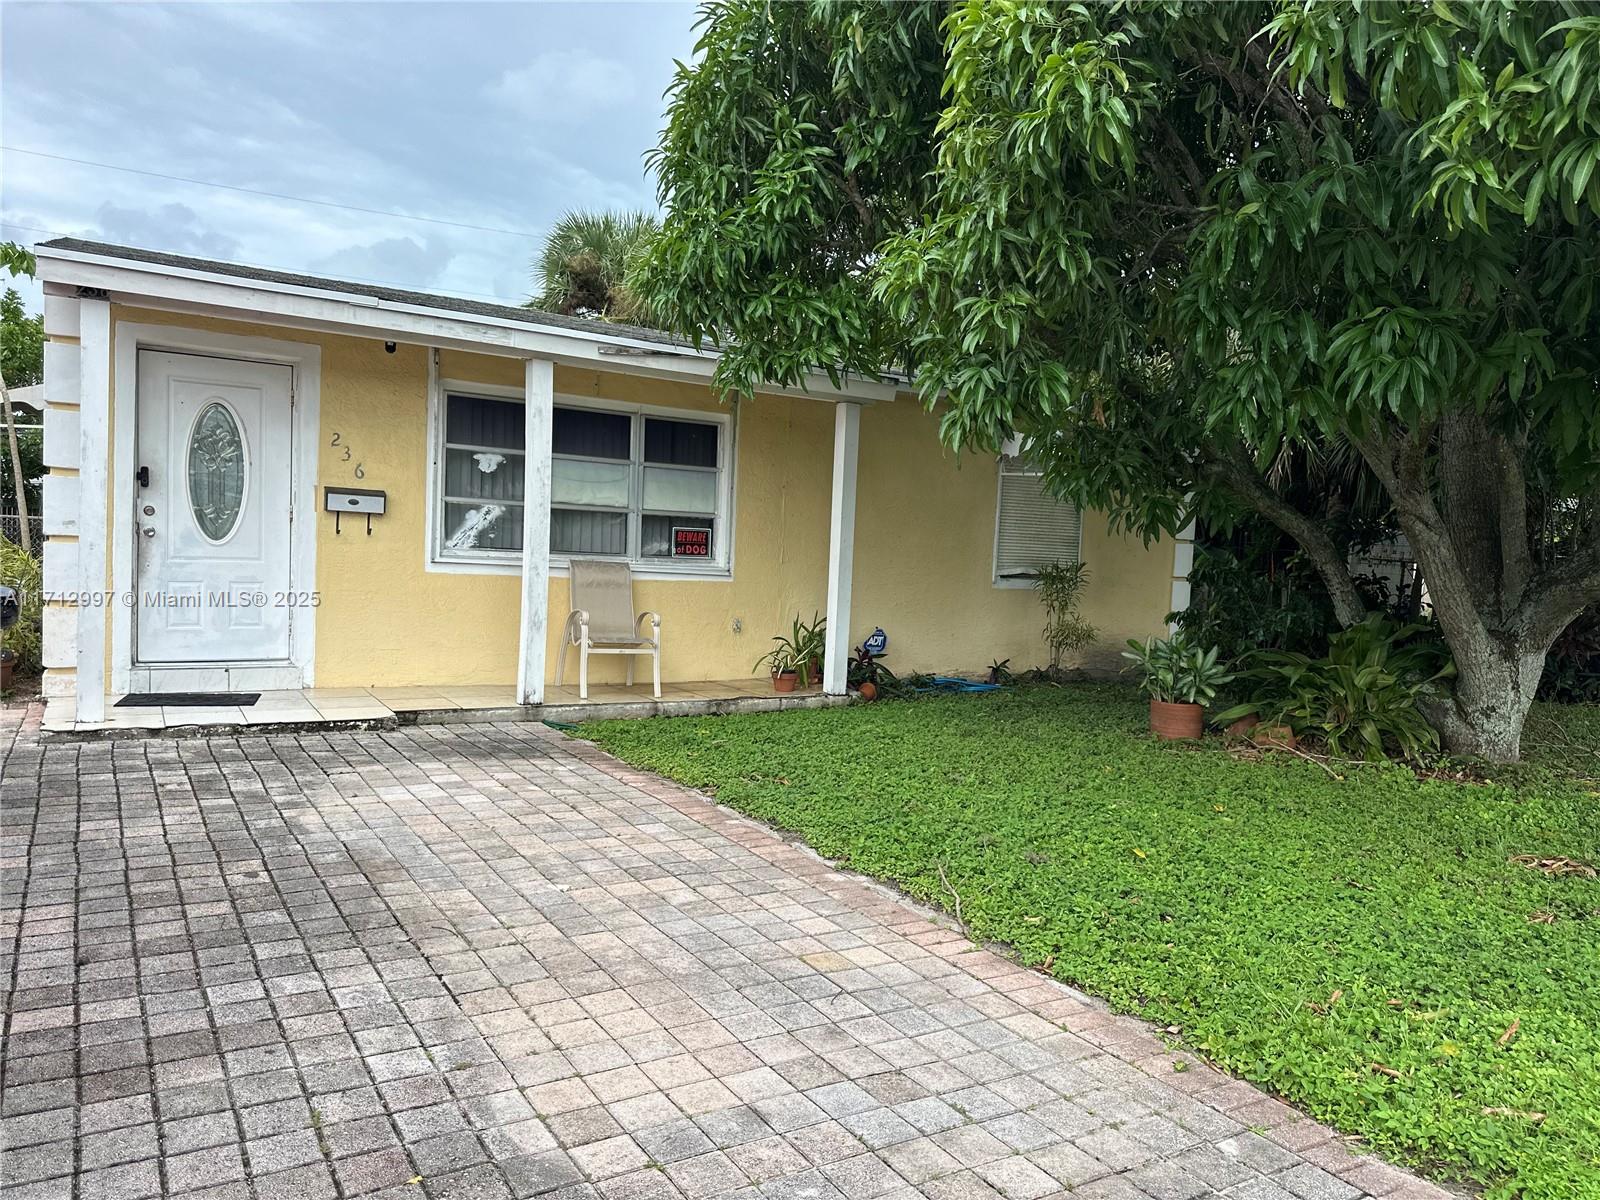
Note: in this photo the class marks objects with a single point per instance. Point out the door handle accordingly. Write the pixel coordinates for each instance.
(148, 530)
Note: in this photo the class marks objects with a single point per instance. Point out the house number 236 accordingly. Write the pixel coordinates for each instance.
(347, 454)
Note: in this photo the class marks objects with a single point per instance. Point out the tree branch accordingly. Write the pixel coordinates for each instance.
(19, 479)
(853, 191)
(1264, 91)
(1554, 596)
(1180, 154)
(1401, 466)
(1233, 465)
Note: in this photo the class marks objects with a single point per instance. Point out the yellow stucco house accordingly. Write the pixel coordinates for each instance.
(265, 481)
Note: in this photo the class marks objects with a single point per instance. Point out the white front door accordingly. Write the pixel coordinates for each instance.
(211, 521)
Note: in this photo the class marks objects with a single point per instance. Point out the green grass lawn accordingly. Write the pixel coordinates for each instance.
(1234, 898)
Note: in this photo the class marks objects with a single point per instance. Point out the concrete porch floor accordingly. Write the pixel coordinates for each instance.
(434, 704)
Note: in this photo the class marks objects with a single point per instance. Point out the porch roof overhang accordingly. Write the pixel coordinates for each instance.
(178, 283)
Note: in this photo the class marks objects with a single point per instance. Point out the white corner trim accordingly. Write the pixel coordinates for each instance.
(62, 436)
(61, 316)
(841, 547)
(305, 359)
(61, 498)
(94, 415)
(61, 383)
(539, 394)
(61, 575)
(60, 623)
(1182, 562)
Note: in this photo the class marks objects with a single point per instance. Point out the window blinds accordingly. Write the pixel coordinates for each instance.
(1034, 528)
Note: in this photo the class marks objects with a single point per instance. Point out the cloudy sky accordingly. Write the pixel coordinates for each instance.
(500, 115)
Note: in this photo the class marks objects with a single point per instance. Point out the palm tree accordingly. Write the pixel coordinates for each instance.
(583, 267)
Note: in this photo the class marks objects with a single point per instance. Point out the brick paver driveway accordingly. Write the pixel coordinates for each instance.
(485, 960)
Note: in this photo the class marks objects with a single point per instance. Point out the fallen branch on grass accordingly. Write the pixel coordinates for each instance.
(955, 896)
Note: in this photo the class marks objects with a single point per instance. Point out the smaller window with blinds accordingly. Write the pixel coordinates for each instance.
(1032, 528)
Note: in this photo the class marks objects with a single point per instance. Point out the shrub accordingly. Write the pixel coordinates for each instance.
(1245, 604)
(20, 570)
(1572, 668)
(1060, 587)
(1361, 698)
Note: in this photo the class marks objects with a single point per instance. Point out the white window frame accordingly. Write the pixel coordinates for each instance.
(1011, 466)
(477, 561)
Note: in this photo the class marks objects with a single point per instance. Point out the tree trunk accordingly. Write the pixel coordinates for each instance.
(1498, 620)
(1496, 678)
(16, 467)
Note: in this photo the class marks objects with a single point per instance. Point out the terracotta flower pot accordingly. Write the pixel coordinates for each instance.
(1174, 721)
(7, 660)
(784, 681)
(1243, 726)
(868, 690)
(1268, 736)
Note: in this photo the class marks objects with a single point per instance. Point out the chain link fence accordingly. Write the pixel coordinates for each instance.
(11, 529)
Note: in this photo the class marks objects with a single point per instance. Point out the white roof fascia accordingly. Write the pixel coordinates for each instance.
(276, 303)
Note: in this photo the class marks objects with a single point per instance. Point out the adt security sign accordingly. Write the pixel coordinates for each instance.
(877, 642)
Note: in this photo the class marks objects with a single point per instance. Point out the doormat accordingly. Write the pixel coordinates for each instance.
(188, 700)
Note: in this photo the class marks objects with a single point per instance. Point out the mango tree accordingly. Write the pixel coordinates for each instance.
(1170, 243)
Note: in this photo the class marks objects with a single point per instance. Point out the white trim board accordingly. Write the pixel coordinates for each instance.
(538, 395)
(94, 416)
(184, 289)
(841, 547)
(306, 360)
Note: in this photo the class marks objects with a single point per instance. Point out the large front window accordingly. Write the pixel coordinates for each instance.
(630, 483)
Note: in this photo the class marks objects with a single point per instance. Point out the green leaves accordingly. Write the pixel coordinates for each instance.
(1171, 245)
(1172, 670)
(17, 260)
(1362, 698)
(1060, 588)
(1517, 143)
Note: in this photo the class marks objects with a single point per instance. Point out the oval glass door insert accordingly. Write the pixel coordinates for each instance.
(216, 471)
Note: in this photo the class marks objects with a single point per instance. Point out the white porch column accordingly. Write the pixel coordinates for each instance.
(538, 397)
(94, 464)
(841, 546)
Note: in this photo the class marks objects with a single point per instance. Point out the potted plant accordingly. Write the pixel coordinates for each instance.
(1180, 680)
(795, 659)
(813, 640)
(780, 661)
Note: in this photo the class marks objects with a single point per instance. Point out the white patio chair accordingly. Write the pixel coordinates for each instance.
(602, 621)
